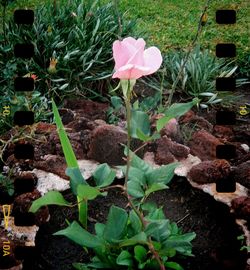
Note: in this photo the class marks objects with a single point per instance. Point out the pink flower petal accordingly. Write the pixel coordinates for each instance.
(130, 72)
(122, 52)
(152, 59)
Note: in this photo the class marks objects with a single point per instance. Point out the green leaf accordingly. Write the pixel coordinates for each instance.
(135, 189)
(136, 175)
(116, 223)
(155, 187)
(135, 222)
(143, 137)
(80, 266)
(137, 162)
(180, 243)
(175, 110)
(66, 146)
(99, 229)
(76, 178)
(125, 258)
(139, 121)
(87, 192)
(103, 175)
(116, 102)
(163, 174)
(80, 236)
(50, 198)
(173, 265)
(140, 253)
(140, 238)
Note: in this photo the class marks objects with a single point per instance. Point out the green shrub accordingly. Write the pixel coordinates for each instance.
(198, 77)
(78, 35)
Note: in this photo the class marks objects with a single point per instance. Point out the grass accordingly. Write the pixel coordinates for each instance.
(173, 23)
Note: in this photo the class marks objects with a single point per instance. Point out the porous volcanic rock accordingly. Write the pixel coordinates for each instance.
(87, 108)
(23, 202)
(168, 151)
(224, 133)
(209, 171)
(171, 129)
(242, 173)
(105, 144)
(52, 163)
(191, 118)
(203, 145)
(241, 207)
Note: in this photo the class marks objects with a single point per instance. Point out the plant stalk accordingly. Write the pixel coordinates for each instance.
(139, 214)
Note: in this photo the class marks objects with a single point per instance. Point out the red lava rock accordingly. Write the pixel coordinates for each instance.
(80, 124)
(198, 121)
(167, 151)
(225, 133)
(209, 171)
(171, 129)
(66, 115)
(54, 164)
(23, 202)
(105, 144)
(75, 140)
(242, 174)
(88, 108)
(203, 145)
(241, 207)
(44, 128)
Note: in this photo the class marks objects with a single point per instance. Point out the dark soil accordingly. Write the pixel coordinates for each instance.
(215, 246)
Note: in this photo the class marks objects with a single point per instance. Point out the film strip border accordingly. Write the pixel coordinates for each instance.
(224, 118)
(25, 184)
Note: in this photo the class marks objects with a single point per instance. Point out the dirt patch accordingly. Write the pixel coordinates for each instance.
(215, 246)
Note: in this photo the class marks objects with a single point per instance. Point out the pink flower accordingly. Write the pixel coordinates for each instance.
(132, 61)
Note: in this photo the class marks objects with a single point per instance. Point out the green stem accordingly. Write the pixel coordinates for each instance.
(139, 214)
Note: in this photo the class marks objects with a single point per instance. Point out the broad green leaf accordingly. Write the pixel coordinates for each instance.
(155, 187)
(66, 146)
(80, 266)
(140, 253)
(137, 162)
(175, 110)
(50, 198)
(173, 265)
(76, 178)
(99, 229)
(125, 258)
(135, 189)
(180, 243)
(136, 175)
(135, 222)
(140, 238)
(163, 174)
(143, 137)
(158, 230)
(139, 121)
(87, 192)
(116, 102)
(104, 175)
(80, 236)
(116, 223)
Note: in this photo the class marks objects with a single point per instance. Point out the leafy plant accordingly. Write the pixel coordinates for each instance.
(198, 77)
(22, 102)
(138, 239)
(6, 184)
(75, 40)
